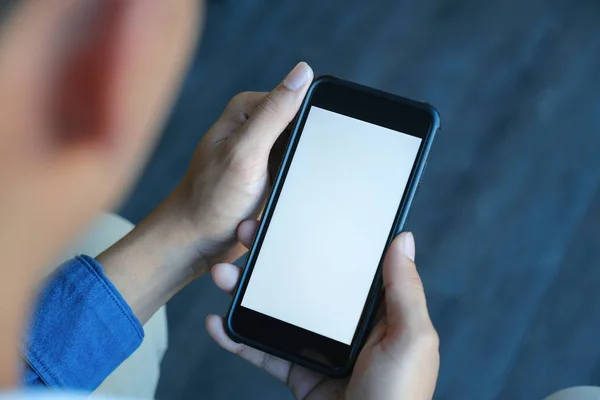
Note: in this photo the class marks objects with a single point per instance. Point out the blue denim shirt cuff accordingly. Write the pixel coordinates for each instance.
(81, 330)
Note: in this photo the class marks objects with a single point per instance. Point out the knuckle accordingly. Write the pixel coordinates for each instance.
(413, 279)
(416, 283)
(236, 110)
(239, 118)
(269, 104)
(239, 351)
(239, 99)
(265, 360)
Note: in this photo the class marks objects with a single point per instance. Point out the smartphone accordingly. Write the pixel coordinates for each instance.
(349, 173)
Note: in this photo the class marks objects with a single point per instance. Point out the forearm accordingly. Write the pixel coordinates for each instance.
(161, 255)
(153, 261)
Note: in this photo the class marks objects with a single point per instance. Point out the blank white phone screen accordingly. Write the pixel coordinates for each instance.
(331, 223)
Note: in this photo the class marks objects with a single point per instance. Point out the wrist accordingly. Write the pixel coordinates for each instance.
(171, 228)
(154, 261)
(201, 227)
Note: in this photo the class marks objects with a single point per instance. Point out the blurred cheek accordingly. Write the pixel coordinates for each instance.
(24, 78)
(42, 212)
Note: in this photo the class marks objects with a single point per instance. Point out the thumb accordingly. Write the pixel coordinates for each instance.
(404, 294)
(276, 110)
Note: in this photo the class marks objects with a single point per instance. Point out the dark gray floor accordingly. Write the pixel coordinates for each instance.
(508, 219)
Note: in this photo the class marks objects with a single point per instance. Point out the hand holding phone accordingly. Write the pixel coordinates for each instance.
(400, 359)
(348, 177)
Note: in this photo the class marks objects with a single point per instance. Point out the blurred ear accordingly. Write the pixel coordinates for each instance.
(85, 86)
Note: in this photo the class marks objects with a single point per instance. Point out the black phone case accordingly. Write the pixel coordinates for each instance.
(375, 293)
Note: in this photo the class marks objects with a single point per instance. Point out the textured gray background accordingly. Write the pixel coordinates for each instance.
(508, 218)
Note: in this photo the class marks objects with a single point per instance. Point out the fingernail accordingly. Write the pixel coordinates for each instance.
(298, 77)
(408, 245)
